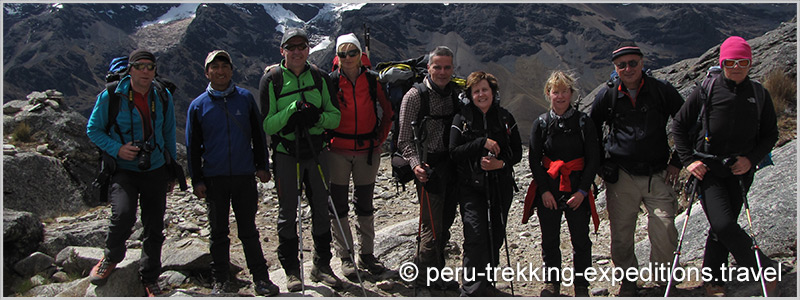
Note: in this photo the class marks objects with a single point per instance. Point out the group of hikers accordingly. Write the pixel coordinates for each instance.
(325, 128)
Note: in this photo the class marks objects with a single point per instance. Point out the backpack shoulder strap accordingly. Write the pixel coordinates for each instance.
(425, 101)
(275, 74)
(113, 107)
(316, 74)
(760, 93)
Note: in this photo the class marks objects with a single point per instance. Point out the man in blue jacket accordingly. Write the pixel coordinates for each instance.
(226, 147)
(143, 131)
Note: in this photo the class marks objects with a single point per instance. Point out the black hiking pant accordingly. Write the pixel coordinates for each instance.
(128, 191)
(722, 201)
(241, 193)
(478, 251)
(578, 224)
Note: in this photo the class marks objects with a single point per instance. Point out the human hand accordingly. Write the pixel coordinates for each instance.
(549, 201)
(128, 151)
(698, 169)
(492, 146)
(420, 173)
(741, 166)
(489, 163)
(671, 177)
(575, 201)
(200, 190)
(263, 175)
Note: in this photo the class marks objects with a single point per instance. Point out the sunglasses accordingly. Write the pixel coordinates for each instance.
(730, 63)
(143, 66)
(631, 63)
(293, 47)
(351, 53)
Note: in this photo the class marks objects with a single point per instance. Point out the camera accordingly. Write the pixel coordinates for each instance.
(143, 157)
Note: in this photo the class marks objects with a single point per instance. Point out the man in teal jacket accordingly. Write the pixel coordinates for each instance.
(300, 113)
(144, 131)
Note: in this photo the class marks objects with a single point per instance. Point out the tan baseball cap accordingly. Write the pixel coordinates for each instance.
(217, 53)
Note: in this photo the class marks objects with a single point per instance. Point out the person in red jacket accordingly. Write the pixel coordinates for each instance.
(355, 149)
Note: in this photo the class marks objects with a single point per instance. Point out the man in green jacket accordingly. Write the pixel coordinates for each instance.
(296, 117)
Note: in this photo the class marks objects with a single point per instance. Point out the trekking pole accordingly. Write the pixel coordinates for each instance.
(692, 184)
(366, 40)
(753, 236)
(335, 213)
(489, 220)
(297, 132)
(505, 235)
(423, 194)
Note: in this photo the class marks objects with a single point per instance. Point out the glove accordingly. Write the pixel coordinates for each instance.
(309, 114)
(291, 124)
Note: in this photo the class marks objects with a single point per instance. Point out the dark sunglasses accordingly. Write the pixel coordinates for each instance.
(142, 66)
(351, 53)
(293, 47)
(631, 63)
(730, 63)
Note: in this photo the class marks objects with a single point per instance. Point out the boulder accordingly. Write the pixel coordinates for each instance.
(84, 233)
(79, 260)
(189, 254)
(33, 264)
(22, 234)
(23, 190)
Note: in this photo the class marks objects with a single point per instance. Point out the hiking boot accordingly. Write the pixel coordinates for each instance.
(348, 267)
(101, 271)
(266, 288)
(772, 289)
(325, 275)
(627, 289)
(293, 283)
(220, 287)
(152, 289)
(713, 290)
(581, 291)
(371, 264)
(551, 289)
(422, 291)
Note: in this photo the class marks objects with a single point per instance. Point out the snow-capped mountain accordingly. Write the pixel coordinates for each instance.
(68, 46)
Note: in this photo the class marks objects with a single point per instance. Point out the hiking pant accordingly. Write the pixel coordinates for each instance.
(341, 167)
(242, 194)
(624, 198)
(286, 182)
(128, 191)
(474, 208)
(578, 224)
(438, 199)
(722, 202)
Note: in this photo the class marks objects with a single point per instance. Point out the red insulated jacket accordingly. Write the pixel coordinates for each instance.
(358, 123)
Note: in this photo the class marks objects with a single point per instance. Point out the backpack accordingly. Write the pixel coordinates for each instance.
(546, 119)
(117, 69)
(372, 80)
(702, 122)
(397, 78)
(275, 74)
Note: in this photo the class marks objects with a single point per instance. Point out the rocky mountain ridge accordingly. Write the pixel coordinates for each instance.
(67, 47)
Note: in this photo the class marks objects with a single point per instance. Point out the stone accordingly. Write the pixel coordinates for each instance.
(59, 277)
(33, 264)
(23, 232)
(41, 148)
(172, 278)
(599, 292)
(9, 149)
(22, 188)
(85, 233)
(123, 282)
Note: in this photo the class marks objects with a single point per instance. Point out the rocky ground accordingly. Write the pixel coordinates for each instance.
(396, 215)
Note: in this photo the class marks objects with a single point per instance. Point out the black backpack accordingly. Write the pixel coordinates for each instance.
(118, 68)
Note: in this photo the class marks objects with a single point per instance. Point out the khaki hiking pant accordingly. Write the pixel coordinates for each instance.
(342, 166)
(624, 199)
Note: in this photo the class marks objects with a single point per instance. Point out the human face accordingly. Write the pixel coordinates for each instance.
(219, 73)
(349, 62)
(560, 97)
(482, 95)
(736, 72)
(295, 58)
(630, 75)
(141, 79)
(441, 70)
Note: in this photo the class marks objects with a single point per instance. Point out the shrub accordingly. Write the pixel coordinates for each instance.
(782, 89)
(22, 133)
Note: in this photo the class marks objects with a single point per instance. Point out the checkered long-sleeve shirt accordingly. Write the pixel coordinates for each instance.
(434, 129)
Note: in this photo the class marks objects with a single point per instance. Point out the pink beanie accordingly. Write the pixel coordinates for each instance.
(734, 47)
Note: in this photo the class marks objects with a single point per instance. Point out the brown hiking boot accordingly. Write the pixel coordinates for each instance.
(293, 283)
(551, 289)
(371, 264)
(101, 271)
(713, 290)
(772, 289)
(325, 275)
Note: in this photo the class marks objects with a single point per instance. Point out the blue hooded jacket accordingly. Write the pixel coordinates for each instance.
(130, 125)
(219, 131)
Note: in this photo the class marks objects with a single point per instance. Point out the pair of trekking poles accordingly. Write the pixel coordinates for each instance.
(301, 131)
(692, 187)
(424, 197)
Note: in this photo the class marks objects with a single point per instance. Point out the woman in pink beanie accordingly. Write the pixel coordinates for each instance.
(732, 139)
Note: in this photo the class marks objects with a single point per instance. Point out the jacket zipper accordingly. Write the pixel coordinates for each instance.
(228, 127)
